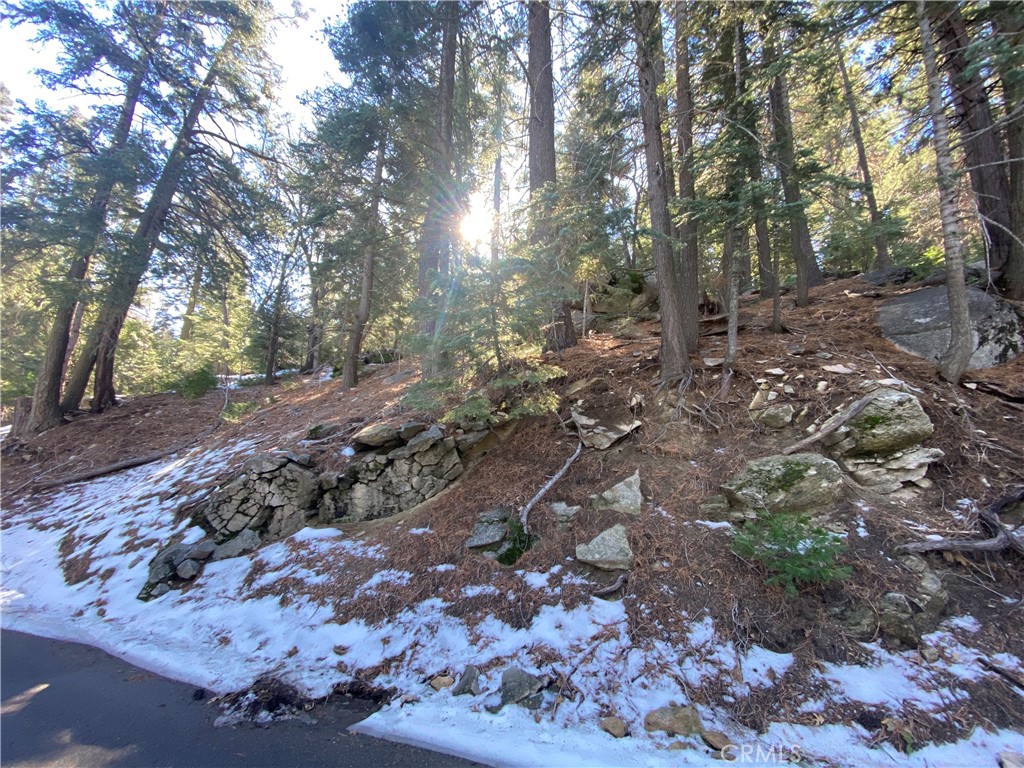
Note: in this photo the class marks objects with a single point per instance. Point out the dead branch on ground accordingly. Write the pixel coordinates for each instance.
(524, 515)
(1002, 537)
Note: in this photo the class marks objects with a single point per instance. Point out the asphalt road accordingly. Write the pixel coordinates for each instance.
(65, 704)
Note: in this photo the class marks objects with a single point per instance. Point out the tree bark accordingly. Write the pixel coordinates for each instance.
(350, 367)
(541, 163)
(808, 274)
(102, 342)
(882, 260)
(954, 362)
(980, 139)
(1009, 23)
(675, 364)
(689, 264)
(46, 405)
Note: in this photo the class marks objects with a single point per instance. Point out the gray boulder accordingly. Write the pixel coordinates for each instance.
(623, 497)
(518, 685)
(880, 447)
(674, 720)
(609, 551)
(246, 541)
(188, 569)
(375, 436)
(918, 323)
(601, 428)
(803, 482)
(892, 275)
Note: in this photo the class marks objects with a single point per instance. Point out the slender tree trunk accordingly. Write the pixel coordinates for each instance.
(46, 406)
(274, 334)
(102, 343)
(955, 360)
(188, 323)
(74, 332)
(350, 367)
(776, 326)
(675, 363)
(438, 225)
(748, 119)
(808, 274)
(495, 271)
(882, 260)
(689, 265)
(1009, 23)
(980, 139)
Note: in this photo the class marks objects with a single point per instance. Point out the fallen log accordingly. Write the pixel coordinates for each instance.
(1001, 537)
(137, 461)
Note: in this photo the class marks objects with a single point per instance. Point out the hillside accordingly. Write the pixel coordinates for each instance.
(400, 606)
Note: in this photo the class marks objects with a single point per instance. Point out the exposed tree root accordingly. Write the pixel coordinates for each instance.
(1002, 537)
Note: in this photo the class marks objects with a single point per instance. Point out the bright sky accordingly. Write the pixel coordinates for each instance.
(299, 49)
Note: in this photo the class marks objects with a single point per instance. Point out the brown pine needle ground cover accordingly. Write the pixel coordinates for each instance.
(688, 445)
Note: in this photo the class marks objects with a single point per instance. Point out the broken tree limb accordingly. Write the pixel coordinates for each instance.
(1002, 536)
(831, 425)
(524, 515)
(613, 587)
(138, 461)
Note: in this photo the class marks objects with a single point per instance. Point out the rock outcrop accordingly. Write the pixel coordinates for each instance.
(384, 483)
(274, 494)
(918, 323)
(803, 482)
(880, 448)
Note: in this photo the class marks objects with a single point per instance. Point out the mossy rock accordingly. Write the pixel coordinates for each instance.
(798, 483)
(892, 422)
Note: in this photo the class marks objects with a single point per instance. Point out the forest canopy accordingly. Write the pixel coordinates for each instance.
(474, 171)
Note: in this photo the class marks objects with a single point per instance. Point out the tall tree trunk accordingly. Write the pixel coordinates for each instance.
(748, 119)
(350, 367)
(274, 338)
(882, 260)
(980, 139)
(495, 271)
(46, 406)
(541, 163)
(808, 274)
(438, 224)
(1009, 23)
(188, 323)
(675, 364)
(689, 266)
(954, 362)
(102, 342)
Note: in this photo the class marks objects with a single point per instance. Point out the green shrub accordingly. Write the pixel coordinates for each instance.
(194, 384)
(518, 542)
(793, 549)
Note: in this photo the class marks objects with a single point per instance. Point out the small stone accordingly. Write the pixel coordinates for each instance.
(564, 513)
(159, 590)
(410, 429)
(375, 435)
(678, 746)
(203, 550)
(716, 740)
(609, 550)
(777, 416)
(775, 372)
(495, 515)
(487, 535)
(441, 682)
(468, 683)
(840, 368)
(188, 569)
(930, 654)
(1008, 759)
(624, 497)
(614, 726)
(517, 684)
(246, 541)
(674, 720)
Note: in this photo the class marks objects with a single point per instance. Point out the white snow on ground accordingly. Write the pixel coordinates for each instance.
(221, 635)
